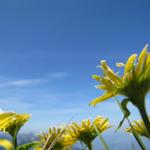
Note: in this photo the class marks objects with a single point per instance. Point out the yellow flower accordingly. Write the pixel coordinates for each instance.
(139, 128)
(86, 132)
(133, 84)
(13, 122)
(56, 139)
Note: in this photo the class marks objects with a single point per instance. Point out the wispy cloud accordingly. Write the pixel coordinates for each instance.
(19, 82)
(23, 82)
(4, 82)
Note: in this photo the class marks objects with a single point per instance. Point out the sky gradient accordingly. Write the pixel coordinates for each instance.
(49, 50)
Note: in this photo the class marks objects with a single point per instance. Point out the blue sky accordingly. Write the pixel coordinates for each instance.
(49, 50)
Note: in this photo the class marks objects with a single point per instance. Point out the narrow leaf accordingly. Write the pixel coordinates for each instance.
(136, 136)
(126, 112)
(101, 138)
(28, 146)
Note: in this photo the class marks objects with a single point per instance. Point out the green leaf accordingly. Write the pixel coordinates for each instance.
(126, 112)
(28, 146)
(136, 136)
(101, 138)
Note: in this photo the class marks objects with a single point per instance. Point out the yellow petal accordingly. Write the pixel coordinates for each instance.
(109, 72)
(96, 77)
(102, 87)
(142, 60)
(130, 63)
(148, 61)
(146, 74)
(143, 53)
(107, 82)
(38, 148)
(97, 120)
(83, 123)
(101, 98)
(120, 64)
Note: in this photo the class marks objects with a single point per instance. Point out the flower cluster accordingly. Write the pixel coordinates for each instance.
(59, 138)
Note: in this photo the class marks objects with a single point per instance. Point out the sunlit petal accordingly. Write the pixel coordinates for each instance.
(109, 72)
(130, 62)
(120, 64)
(101, 98)
(142, 60)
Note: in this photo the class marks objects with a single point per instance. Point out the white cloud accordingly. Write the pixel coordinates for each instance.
(24, 82)
(19, 82)
(5, 82)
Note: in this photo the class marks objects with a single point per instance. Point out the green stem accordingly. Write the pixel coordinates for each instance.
(138, 139)
(144, 117)
(89, 145)
(15, 142)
